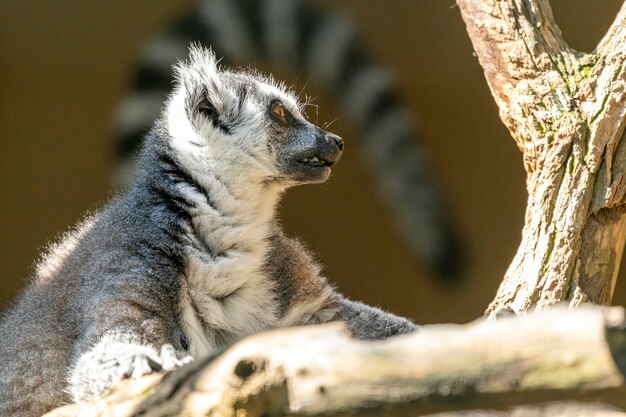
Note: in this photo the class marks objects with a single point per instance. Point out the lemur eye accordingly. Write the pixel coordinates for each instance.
(278, 112)
(206, 108)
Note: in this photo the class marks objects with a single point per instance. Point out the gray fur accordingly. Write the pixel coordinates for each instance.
(189, 259)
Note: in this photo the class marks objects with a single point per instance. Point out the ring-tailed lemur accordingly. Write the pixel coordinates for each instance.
(326, 49)
(190, 258)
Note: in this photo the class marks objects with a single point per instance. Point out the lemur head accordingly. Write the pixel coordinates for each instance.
(245, 125)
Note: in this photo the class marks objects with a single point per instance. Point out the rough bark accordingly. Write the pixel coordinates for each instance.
(320, 370)
(566, 112)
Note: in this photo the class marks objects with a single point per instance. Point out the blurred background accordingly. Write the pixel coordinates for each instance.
(68, 66)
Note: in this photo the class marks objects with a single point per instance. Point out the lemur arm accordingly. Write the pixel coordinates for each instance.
(124, 337)
(370, 323)
(295, 271)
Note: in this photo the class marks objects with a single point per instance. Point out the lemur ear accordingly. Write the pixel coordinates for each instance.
(206, 94)
(201, 56)
(206, 108)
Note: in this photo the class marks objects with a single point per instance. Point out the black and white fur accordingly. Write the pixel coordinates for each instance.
(189, 259)
(326, 49)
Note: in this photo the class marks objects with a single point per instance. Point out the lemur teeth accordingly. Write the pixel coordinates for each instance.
(314, 160)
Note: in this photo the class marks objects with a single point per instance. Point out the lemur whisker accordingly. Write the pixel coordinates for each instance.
(305, 85)
(329, 124)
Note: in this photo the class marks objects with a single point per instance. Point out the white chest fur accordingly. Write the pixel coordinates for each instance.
(227, 294)
(220, 307)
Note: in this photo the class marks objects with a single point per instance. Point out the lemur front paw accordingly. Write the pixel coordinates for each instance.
(170, 359)
(108, 364)
(136, 365)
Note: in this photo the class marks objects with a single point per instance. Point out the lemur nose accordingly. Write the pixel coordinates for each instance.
(338, 141)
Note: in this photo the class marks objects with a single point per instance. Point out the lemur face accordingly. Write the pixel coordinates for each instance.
(302, 151)
(247, 125)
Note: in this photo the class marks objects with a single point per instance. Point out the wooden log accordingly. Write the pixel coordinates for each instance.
(552, 355)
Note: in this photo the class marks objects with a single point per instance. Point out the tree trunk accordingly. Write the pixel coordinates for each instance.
(566, 112)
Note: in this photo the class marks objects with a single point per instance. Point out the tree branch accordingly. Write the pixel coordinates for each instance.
(547, 356)
(519, 47)
(566, 112)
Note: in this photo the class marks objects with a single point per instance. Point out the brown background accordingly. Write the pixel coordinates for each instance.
(66, 63)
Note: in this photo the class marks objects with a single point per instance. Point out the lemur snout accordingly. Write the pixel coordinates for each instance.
(330, 148)
(337, 139)
(325, 150)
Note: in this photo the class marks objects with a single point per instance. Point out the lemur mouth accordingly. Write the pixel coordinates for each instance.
(316, 162)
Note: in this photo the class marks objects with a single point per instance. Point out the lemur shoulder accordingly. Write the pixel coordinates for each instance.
(190, 258)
